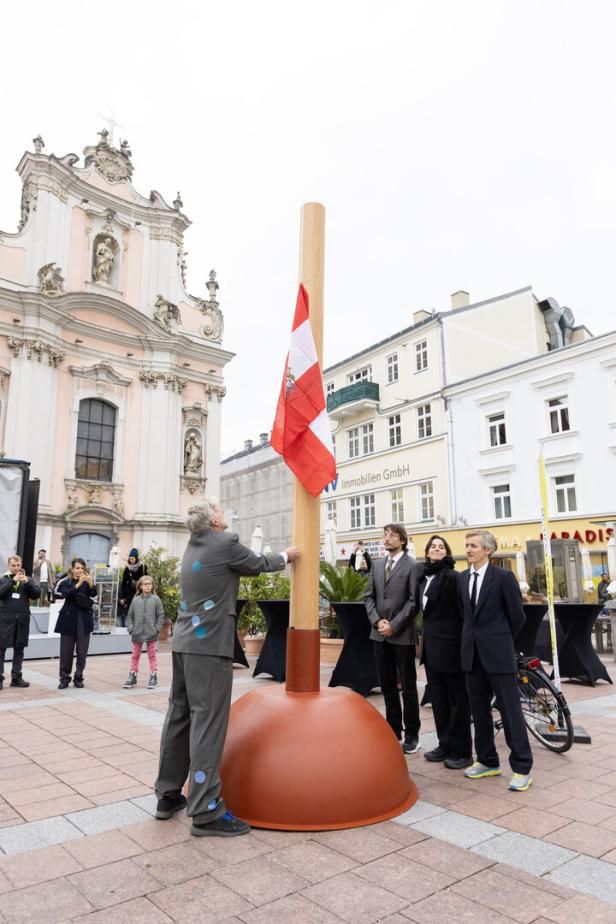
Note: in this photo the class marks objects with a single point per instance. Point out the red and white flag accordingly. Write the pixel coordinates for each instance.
(301, 433)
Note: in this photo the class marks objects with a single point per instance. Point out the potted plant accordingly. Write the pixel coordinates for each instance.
(339, 586)
(251, 619)
(165, 571)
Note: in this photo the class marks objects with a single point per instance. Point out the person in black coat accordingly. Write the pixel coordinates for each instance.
(16, 591)
(134, 570)
(493, 615)
(436, 595)
(75, 621)
(360, 559)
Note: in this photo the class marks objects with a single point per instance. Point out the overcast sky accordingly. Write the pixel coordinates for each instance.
(456, 144)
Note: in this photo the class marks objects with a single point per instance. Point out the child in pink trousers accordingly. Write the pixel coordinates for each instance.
(144, 621)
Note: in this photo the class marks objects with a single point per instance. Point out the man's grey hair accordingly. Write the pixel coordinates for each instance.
(199, 516)
(487, 539)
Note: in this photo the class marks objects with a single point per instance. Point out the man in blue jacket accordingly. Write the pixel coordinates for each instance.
(16, 591)
(493, 616)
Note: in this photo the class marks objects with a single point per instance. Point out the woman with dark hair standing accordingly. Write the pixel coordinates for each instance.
(133, 571)
(75, 621)
(436, 595)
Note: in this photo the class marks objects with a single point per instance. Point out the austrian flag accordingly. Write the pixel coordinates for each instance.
(301, 433)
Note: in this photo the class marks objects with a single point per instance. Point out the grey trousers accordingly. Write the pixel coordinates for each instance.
(194, 733)
(68, 644)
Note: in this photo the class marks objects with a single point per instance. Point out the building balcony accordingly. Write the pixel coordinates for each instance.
(350, 400)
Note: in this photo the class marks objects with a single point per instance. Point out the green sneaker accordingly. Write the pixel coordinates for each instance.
(478, 771)
(520, 782)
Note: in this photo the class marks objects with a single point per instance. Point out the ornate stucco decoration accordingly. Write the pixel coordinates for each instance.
(37, 349)
(117, 492)
(165, 312)
(182, 266)
(105, 250)
(82, 493)
(51, 280)
(218, 391)
(39, 144)
(100, 372)
(194, 416)
(113, 163)
(29, 193)
(213, 328)
(192, 485)
(170, 380)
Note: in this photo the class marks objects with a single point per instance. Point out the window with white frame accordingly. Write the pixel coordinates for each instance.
(424, 421)
(501, 500)
(361, 375)
(421, 355)
(558, 409)
(497, 429)
(353, 442)
(355, 503)
(394, 424)
(426, 497)
(329, 389)
(564, 487)
(392, 368)
(332, 511)
(367, 434)
(369, 510)
(397, 505)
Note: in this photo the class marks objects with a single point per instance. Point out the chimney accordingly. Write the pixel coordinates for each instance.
(421, 316)
(263, 438)
(247, 444)
(460, 299)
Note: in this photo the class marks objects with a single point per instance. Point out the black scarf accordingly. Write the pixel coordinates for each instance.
(434, 567)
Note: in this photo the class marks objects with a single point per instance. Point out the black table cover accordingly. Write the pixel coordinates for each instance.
(356, 666)
(273, 657)
(526, 639)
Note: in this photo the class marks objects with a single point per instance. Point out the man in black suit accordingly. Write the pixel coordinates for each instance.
(390, 605)
(493, 616)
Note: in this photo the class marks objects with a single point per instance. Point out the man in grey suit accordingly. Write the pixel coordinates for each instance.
(389, 600)
(195, 727)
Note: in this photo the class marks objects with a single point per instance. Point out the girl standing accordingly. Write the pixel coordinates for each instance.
(75, 621)
(144, 621)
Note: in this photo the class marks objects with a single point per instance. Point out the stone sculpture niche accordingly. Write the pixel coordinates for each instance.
(103, 258)
(193, 453)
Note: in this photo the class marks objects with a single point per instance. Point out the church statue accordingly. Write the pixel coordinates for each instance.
(103, 260)
(193, 460)
(51, 280)
(165, 312)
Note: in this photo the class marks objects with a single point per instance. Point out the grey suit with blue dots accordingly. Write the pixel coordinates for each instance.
(195, 727)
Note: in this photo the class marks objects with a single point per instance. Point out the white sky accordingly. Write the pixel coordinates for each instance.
(456, 144)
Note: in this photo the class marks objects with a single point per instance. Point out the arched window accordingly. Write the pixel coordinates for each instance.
(95, 440)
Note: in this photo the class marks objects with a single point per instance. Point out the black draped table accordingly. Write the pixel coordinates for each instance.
(526, 639)
(239, 656)
(356, 666)
(273, 657)
(577, 659)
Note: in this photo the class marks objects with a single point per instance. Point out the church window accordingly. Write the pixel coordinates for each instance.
(95, 440)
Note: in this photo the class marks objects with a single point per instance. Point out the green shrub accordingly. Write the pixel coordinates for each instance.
(165, 571)
(271, 586)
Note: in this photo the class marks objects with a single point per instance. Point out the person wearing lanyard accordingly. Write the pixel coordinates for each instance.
(16, 591)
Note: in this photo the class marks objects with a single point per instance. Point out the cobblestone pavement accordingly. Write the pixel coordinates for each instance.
(78, 841)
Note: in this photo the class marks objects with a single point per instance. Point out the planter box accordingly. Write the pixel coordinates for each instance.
(253, 645)
(330, 650)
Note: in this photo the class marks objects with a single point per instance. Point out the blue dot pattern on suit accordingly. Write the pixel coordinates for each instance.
(200, 632)
(195, 620)
(209, 605)
(196, 566)
(212, 805)
(199, 776)
(183, 606)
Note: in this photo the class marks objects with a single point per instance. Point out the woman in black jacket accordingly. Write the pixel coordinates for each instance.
(436, 594)
(75, 621)
(134, 570)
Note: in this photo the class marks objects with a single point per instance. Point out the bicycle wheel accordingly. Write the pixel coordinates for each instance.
(545, 710)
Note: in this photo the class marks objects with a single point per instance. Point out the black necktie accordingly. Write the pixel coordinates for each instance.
(475, 575)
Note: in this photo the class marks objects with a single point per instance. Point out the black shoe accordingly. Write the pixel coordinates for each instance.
(165, 808)
(457, 763)
(63, 685)
(436, 755)
(1, 682)
(78, 682)
(225, 826)
(19, 682)
(410, 745)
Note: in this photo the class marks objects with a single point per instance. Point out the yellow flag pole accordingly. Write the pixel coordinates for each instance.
(549, 573)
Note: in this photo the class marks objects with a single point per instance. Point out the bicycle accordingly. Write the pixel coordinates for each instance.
(544, 707)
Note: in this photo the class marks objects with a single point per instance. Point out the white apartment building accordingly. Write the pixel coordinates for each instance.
(393, 430)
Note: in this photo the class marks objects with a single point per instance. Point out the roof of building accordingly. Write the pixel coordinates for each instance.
(246, 452)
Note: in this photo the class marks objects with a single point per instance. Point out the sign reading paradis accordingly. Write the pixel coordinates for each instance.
(584, 536)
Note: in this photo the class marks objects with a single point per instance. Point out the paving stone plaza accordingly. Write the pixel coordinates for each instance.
(79, 841)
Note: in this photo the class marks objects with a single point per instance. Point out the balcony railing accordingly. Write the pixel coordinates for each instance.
(358, 393)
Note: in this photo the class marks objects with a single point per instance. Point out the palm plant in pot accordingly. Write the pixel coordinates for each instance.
(339, 586)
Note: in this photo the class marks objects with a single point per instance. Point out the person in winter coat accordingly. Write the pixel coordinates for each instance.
(128, 585)
(144, 621)
(16, 591)
(75, 621)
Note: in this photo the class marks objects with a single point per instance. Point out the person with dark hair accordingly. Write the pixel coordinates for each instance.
(436, 595)
(133, 571)
(390, 605)
(360, 559)
(42, 574)
(16, 592)
(602, 592)
(75, 621)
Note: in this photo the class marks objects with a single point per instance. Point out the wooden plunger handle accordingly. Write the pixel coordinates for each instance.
(304, 612)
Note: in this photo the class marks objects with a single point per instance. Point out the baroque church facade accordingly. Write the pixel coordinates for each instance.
(111, 374)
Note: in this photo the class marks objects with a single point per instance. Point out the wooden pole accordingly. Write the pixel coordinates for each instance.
(307, 509)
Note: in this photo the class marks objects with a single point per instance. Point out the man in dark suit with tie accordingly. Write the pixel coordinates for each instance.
(390, 605)
(493, 616)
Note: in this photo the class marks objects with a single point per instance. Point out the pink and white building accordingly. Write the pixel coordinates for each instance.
(111, 374)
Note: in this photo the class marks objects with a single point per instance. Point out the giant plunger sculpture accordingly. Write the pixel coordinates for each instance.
(300, 758)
